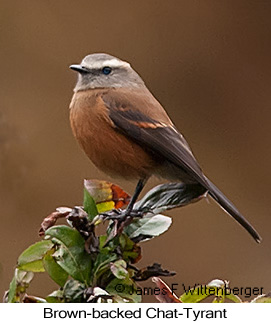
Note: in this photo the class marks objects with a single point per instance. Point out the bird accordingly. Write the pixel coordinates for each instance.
(126, 132)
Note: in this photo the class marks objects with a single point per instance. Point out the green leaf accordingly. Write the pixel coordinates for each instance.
(130, 250)
(218, 299)
(168, 196)
(55, 297)
(266, 298)
(55, 271)
(125, 242)
(102, 264)
(150, 226)
(71, 255)
(34, 266)
(89, 205)
(99, 295)
(19, 285)
(118, 269)
(233, 298)
(124, 288)
(215, 288)
(12, 291)
(105, 206)
(23, 277)
(195, 295)
(102, 240)
(31, 258)
(73, 291)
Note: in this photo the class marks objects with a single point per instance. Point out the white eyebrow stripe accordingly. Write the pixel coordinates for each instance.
(110, 62)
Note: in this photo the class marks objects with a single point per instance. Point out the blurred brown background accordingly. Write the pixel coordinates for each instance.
(208, 62)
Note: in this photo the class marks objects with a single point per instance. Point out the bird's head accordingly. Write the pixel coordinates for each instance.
(105, 71)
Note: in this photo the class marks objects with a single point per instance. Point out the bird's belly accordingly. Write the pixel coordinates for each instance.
(109, 149)
(116, 157)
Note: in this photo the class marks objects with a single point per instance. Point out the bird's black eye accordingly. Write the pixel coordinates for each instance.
(107, 70)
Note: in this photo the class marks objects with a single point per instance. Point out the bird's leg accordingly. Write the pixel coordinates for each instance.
(139, 187)
(127, 214)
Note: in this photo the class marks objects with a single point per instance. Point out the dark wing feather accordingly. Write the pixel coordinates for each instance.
(160, 138)
(166, 141)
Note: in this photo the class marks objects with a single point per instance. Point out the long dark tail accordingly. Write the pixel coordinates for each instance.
(227, 205)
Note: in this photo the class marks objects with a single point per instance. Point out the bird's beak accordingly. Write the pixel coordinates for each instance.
(79, 68)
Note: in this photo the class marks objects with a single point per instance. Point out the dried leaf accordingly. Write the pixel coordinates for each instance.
(166, 295)
(78, 219)
(92, 244)
(112, 233)
(32, 299)
(151, 271)
(106, 195)
(51, 219)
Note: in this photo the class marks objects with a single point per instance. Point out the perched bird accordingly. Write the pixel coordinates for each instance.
(126, 132)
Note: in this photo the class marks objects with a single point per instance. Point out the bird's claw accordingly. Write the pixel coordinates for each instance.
(122, 215)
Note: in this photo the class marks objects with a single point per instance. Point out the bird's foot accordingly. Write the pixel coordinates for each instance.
(120, 219)
(122, 215)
